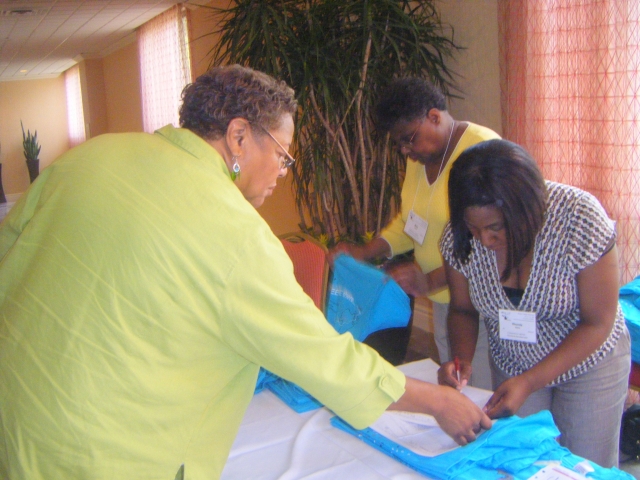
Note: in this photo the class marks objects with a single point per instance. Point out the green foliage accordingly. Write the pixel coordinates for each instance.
(30, 144)
(337, 55)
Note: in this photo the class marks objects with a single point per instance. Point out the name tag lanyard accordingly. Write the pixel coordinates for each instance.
(416, 226)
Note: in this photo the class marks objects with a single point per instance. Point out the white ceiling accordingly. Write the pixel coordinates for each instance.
(41, 39)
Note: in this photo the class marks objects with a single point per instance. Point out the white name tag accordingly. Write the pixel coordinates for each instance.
(416, 227)
(518, 326)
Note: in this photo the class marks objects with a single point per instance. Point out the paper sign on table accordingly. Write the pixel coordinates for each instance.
(557, 472)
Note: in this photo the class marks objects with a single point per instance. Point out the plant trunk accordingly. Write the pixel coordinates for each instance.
(34, 169)
(3, 199)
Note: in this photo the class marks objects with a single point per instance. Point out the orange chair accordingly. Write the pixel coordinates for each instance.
(634, 377)
(310, 265)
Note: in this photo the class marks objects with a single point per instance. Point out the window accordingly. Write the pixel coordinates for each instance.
(570, 88)
(165, 66)
(75, 111)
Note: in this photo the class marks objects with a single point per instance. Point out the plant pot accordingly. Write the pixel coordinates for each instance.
(34, 169)
(3, 199)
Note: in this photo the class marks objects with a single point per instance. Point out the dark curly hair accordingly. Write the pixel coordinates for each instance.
(406, 99)
(500, 174)
(228, 92)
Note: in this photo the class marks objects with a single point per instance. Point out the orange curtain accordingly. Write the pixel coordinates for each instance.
(571, 96)
(75, 110)
(165, 66)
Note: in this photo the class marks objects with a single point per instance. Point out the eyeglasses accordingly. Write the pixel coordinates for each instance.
(409, 144)
(287, 161)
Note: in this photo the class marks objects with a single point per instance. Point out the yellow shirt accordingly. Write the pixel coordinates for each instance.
(139, 295)
(431, 203)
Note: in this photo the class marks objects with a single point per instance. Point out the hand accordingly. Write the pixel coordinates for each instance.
(410, 278)
(447, 374)
(508, 397)
(460, 418)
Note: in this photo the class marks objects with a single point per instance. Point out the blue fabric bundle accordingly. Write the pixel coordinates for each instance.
(291, 394)
(630, 303)
(294, 396)
(265, 377)
(362, 300)
(516, 446)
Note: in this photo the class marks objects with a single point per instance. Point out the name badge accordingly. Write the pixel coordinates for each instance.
(416, 227)
(518, 326)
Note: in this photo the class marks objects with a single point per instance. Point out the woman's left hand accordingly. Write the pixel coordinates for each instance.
(508, 397)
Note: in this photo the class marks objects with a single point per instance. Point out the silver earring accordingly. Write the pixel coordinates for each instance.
(235, 168)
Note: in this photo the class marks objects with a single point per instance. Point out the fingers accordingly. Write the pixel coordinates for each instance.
(486, 423)
(496, 407)
(472, 434)
(447, 375)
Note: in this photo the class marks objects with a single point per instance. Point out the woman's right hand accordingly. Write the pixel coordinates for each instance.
(460, 418)
(456, 414)
(447, 374)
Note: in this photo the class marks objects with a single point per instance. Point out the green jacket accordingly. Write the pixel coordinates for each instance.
(139, 295)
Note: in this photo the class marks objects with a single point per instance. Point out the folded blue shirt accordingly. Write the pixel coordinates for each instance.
(517, 446)
(630, 303)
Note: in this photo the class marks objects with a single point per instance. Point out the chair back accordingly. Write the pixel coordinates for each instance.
(310, 265)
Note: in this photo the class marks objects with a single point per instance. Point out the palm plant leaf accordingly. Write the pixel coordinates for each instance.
(337, 55)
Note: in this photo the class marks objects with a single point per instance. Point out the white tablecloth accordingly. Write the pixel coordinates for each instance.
(274, 442)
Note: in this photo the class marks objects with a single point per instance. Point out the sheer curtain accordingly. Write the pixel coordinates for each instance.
(571, 95)
(165, 66)
(75, 111)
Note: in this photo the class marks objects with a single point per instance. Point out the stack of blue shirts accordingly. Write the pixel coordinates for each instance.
(519, 447)
(630, 303)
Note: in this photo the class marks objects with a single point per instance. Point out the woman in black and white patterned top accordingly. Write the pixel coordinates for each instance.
(536, 261)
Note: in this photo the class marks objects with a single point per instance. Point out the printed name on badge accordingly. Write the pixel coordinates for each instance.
(416, 227)
(518, 326)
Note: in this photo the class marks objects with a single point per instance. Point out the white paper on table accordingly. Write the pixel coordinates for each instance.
(421, 433)
(557, 472)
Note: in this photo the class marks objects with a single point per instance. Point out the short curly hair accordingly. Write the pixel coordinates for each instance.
(406, 99)
(234, 91)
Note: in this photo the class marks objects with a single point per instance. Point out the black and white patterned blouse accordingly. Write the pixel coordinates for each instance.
(575, 234)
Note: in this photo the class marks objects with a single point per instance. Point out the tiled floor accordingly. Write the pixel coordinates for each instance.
(632, 467)
(422, 345)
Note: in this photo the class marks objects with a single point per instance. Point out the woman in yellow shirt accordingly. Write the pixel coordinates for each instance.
(414, 112)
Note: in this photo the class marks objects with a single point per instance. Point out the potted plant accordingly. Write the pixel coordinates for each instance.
(337, 55)
(31, 152)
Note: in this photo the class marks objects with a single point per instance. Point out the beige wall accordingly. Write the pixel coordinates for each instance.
(122, 89)
(94, 97)
(475, 27)
(202, 39)
(41, 106)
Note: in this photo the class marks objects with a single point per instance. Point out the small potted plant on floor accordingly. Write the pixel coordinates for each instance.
(31, 152)
(3, 199)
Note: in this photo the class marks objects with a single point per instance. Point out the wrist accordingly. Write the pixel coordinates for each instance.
(428, 287)
(531, 381)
